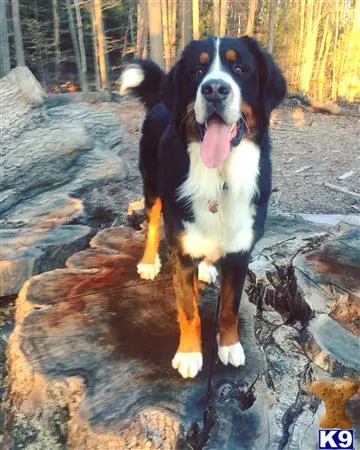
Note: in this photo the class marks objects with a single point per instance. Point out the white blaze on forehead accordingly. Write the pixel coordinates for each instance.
(232, 103)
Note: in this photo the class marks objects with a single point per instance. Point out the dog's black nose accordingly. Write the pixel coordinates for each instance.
(215, 90)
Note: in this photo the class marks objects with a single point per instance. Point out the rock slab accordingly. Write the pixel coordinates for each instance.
(49, 157)
(89, 359)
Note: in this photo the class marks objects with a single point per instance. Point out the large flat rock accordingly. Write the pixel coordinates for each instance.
(89, 359)
(50, 157)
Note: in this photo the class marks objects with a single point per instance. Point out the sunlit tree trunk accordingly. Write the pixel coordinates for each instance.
(155, 32)
(320, 55)
(333, 82)
(101, 44)
(251, 17)
(95, 50)
(216, 11)
(4, 40)
(56, 39)
(223, 17)
(271, 31)
(314, 15)
(195, 19)
(81, 44)
(142, 29)
(348, 74)
(186, 22)
(19, 47)
(75, 46)
(321, 79)
(172, 6)
(166, 35)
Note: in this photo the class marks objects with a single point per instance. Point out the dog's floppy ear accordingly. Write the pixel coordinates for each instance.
(272, 83)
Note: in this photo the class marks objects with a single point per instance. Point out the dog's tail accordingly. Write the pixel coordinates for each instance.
(142, 78)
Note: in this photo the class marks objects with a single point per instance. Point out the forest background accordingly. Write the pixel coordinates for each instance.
(82, 44)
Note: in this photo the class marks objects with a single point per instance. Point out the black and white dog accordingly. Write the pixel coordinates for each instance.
(205, 163)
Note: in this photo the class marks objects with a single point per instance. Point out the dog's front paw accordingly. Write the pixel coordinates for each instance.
(207, 272)
(188, 364)
(149, 271)
(233, 354)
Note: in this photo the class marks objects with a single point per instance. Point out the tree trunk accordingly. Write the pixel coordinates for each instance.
(314, 14)
(271, 25)
(166, 37)
(195, 18)
(333, 82)
(322, 71)
(142, 28)
(56, 39)
(223, 17)
(75, 46)
(155, 32)
(216, 8)
(172, 28)
(186, 22)
(19, 48)
(95, 50)
(251, 17)
(5, 66)
(81, 43)
(101, 44)
(131, 23)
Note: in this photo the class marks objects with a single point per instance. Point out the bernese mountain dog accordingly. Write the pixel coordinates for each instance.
(205, 163)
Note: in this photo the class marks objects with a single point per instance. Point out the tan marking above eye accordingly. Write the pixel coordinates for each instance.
(231, 55)
(204, 58)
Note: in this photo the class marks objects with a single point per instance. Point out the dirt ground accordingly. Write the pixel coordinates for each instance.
(309, 150)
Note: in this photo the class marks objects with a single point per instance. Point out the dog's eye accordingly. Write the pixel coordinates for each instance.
(238, 69)
(198, 71)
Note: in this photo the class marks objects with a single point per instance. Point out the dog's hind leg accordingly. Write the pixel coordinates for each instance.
(150, 264)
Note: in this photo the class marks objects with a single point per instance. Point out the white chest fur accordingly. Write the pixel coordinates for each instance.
(230, 229)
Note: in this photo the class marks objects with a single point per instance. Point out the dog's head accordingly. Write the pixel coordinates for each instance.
(220, 89)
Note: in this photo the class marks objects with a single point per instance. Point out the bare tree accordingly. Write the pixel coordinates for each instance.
(166, 35)
(172, 5)
(142, 29)
(19, 47)
(95, 49)
(223, 17)
(75, 46)
(81, 43)
(155, 32)
(195, 19)
(4, 40)
(251, 17)
(271, 30)
(216, 12)
(313, 18)
(56, 39)
(101, 45)
(186, 30)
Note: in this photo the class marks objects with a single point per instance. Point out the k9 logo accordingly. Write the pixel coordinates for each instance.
(338, 439)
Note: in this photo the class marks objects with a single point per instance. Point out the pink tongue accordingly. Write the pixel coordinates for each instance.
(215, 146)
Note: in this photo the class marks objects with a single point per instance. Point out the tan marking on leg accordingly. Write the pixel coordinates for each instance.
(190, 329)
(228, 319)
(153, 233)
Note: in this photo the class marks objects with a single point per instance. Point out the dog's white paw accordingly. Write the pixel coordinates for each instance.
(188, 364)
(149, 271)
(207, 272)
(233, 354)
